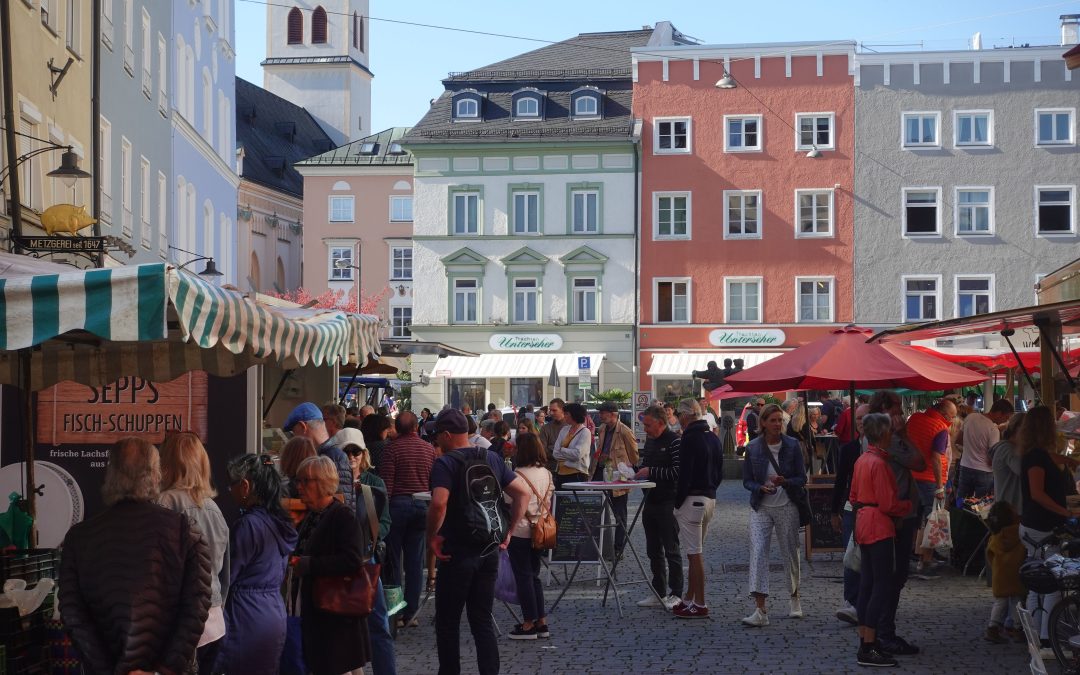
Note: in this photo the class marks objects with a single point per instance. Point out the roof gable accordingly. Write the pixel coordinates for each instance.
(583, 255)
(524, 256)
(465, 259)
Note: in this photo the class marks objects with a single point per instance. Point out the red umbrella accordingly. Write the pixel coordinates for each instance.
(725, 392)
(843, 359)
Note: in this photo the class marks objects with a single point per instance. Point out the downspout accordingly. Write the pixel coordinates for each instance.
(9, 131)
(95, 125)
(637, 262)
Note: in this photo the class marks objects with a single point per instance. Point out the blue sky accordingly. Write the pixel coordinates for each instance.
(409, 62)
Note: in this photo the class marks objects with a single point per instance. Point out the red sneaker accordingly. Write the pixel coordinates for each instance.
(686, 611)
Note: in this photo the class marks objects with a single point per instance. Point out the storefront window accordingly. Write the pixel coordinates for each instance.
(670, 391)
(469, 391)
(526, 391)
(573, 393)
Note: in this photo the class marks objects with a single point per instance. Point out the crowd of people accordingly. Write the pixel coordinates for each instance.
(160, 582)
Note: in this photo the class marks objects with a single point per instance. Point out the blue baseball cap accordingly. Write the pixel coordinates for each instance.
(305, 412)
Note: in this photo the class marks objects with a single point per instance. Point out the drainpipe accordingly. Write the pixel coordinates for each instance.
(95, 123)
(9, 123)
(637, 265)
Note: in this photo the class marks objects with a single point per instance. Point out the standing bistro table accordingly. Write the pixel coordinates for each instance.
(606, 488)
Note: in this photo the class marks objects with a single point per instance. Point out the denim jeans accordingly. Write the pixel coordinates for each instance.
(382, 643)
(974, 483)
(851, 577)
(466, 581)
(662, 547)
(408, 519)
(525, 561)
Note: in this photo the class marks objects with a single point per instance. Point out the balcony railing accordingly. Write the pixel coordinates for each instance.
(129, 60)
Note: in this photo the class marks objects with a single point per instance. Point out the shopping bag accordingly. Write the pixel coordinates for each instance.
(937, 534)
(853, 555)
(505, 585)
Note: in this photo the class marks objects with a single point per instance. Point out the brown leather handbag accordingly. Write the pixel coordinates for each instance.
(544, 528)
(351, 594)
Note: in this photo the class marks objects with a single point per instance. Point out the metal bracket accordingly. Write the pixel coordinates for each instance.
(58, 75)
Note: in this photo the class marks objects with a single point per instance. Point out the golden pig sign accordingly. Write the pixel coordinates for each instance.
(66, 218)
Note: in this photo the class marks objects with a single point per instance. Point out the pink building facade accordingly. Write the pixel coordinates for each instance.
(746, 203)
(358, 227)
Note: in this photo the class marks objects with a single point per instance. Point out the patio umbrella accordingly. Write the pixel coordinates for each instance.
(844, 359)
(725, 392)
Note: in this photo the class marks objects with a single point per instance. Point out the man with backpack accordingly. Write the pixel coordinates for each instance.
(468, 522)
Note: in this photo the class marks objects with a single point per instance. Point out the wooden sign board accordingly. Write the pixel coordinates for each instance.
(572, 538)
(821, 536)
(75, 414)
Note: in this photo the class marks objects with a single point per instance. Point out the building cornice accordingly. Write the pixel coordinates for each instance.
(354, 170)
(762, 50)
(199, 143)
(284, 199)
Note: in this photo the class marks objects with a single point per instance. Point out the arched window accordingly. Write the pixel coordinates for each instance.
(467, 107)
(255, 274)
(281, 275)
(318, 26)
(357, 31)
(527, 106)
(296, 26)
(586, 106)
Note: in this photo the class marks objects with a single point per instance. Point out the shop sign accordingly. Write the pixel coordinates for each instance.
(72, 413)
(525, 342)
(742, 337)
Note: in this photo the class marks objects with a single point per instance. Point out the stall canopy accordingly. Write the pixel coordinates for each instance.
(513, 365)
(158, 322)
(993, 360)
(683, 363)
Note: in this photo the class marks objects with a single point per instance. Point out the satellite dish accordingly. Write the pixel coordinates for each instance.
(976, 41)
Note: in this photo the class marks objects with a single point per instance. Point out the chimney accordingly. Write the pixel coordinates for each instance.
(1070, 29)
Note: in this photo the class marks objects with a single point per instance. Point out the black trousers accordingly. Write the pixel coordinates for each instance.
(662, 546)
(875, 581)
(905, 539)
(466, 582)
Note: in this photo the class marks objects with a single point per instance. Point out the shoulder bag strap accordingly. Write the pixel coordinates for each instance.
(369, 506)
(772, 460)
(539, 499)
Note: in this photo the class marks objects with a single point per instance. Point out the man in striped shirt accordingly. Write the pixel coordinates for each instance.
(406, 470)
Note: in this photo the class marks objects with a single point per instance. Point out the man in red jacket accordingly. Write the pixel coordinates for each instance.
(929, 432)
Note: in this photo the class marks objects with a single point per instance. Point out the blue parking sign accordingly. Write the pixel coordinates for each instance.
(583, 363)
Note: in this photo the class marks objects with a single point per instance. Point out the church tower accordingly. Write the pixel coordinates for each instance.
(317, 57)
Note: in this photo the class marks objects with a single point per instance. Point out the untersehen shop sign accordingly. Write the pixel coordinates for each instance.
(525, 342)
(742, 337)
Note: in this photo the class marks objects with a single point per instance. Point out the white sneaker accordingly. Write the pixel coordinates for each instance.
(670, 602)
(847, 614)
(650, 601)
(757, 619)
(796, 608)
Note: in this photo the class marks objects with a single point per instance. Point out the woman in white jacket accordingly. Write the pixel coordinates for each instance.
(572, 447)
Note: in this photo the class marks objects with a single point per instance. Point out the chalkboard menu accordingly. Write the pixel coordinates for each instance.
(572, 534)
(821, 536)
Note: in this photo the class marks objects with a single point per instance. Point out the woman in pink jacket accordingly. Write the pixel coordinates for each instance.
(874, 498)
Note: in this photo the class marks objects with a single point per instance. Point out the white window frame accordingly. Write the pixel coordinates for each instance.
(474, 114)
(73, 38)
(689, 299)
(920, 114)
(657, 150)
(595, 98)
(350, 200)
(163, 76)
(398, 328)
(208, 106)
(1072, 211)
(144, 189)
(474, 291)
(340, 273)
(395, 250)
(830, 193)
(126, 185)
(991, 290)
(129, 38)
(760, 295)
(937, 279)
(988, 143)
(535, 114)
(758, 147)
(577, 295)
(527, 197)
(760, 213)
(400, 199)
(591, 222)
(1071, 140)
(903, 212)
(657, 235)
(798, 299)
(466, 195)
(957, 206)
(525, 292)
(105, 167)
(799, 117)
(147, 55)
(163, 218)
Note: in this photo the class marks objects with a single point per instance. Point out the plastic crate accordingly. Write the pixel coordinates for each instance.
(26, 638)
(31, 565)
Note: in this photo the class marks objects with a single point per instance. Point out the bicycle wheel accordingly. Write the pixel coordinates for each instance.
(1064, 627)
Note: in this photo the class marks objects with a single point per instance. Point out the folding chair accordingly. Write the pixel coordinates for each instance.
(1033, 643)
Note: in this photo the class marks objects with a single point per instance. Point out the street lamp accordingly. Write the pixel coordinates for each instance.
(210, 271)
(343, 264)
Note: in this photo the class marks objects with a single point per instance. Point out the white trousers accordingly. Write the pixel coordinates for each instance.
(784, 520)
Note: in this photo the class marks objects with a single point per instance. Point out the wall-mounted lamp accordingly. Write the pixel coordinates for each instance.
(726, 82)
(210, 271)
(401, 289)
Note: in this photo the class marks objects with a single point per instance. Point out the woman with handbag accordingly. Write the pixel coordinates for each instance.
(331, 546)
(527, 539)
(260, 544)
(775, 475)
(572, 447)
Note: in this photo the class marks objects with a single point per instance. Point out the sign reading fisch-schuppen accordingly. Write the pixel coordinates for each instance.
(763, 337)
(525, 342)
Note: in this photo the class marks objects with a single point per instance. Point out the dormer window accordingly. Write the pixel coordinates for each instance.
(395, 149)
(467, 105)
(585, 102)
(527, 106)
(367, 149)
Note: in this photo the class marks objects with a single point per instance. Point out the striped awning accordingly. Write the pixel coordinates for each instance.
(514, 365)
(681, 364)
(157, 322)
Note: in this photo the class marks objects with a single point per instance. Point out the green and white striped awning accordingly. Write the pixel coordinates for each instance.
(157, 322)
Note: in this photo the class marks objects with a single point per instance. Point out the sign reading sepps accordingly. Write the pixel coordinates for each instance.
(71, 413)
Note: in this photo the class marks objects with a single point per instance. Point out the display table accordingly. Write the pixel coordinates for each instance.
(829, 446)
(606, 489)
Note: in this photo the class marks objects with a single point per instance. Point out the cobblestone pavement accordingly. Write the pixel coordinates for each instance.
(945, 616)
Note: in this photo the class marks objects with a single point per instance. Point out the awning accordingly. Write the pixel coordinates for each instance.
(513, 365)
(1066, 312)
(157, 322)
(684, 363)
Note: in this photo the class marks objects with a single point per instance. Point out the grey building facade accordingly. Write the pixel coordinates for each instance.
(966, 178)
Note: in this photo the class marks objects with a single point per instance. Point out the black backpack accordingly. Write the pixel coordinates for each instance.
(476, 506)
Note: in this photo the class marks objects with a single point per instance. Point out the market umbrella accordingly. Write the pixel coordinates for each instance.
(844, 359)
(725, 392)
